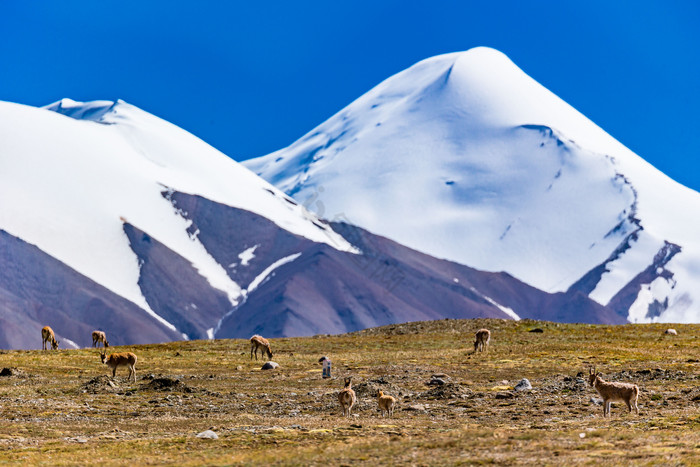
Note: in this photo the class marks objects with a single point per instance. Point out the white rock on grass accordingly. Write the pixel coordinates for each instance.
(208, 434)
(523, 385)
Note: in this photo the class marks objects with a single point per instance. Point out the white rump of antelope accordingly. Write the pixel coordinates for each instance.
(116, 360)
(386, 404)
(347, 397)
(99, 336)
(259, 342)
(483, 336)
(614, 392)
(47, 335)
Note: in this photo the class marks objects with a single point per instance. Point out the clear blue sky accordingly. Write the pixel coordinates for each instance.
(252, 77)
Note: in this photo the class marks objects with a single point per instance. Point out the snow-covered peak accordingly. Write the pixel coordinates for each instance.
(465, 157)
(71, 178)
(93, 110)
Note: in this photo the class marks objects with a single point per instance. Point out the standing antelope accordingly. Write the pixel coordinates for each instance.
(116, 360)
(386, 404)
(483, 336)
(47, 335)
(259, 342)
(99, 336)
(614, 392)
(347, 397)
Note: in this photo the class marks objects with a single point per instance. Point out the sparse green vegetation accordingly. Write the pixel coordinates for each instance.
(61, 408)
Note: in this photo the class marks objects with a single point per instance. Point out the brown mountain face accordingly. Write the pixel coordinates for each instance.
(37, 290)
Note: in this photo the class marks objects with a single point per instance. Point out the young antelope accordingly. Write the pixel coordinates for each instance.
(116, 360)
(483, 336)
(99, 336)
(347, 397)
(614, 392)
(259, 342)
(386, 404)
(47, 335)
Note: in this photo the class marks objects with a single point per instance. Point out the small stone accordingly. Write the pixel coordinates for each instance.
(596, 401)
(208, 434)
(416, 407)
(270, 366)
(504, 395)
(523, 385)
(537, 330)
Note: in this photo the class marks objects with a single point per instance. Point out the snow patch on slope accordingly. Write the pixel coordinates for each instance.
(247, 256)
(255, 283)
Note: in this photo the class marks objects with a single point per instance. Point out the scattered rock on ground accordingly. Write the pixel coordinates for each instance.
(537, 330)
(523, 385)
(504, 395)
(371, 387)
(447, 391)
(270, 366)
(416, 407)
(165, 383)
(99, 384)
(208, 434)
(436, 382)
(10, 372)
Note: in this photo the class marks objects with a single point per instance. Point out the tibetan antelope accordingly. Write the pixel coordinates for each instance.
(483, 336)
(386, 404)
(347, 397)
(47, 335)
(99, 336)
(259, 342)
(614, 392)
(116, 360)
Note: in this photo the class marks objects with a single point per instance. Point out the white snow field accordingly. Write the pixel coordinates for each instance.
(465, 157)
(72, 173)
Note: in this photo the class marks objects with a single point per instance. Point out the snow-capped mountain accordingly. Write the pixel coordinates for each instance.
(86, 183)
(114, 219)
(465, 157)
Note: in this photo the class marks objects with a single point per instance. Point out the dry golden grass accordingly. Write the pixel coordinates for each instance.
(59, 408)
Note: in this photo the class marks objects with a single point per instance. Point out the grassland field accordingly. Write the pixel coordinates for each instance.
(64, 408)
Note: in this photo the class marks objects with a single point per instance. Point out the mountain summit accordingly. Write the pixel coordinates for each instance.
(465, 157)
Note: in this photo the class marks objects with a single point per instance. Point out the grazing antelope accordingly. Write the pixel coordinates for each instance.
(259, 342)
(116, 360)
(483, 336)
(99, 336)
(47, 335)
(386, 404)
(347, 397)
(614, 392)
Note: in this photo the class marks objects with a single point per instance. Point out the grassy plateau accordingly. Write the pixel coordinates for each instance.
(64, 408)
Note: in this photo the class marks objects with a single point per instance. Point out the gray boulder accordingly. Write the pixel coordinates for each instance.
(523, 385)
